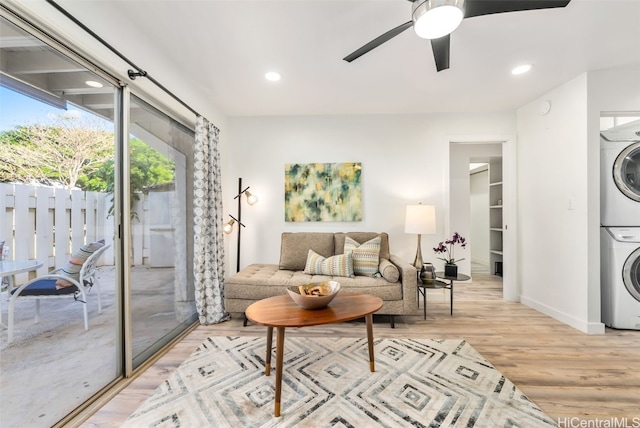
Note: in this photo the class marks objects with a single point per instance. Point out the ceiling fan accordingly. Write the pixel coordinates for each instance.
(436, 19)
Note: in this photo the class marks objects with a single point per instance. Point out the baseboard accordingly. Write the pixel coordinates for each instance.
(585, 327)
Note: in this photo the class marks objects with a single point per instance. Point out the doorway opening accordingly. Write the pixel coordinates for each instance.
(486, 219)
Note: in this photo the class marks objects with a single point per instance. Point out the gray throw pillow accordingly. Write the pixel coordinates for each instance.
(389, 271)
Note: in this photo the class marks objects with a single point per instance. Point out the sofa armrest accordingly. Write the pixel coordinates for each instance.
(408, 277)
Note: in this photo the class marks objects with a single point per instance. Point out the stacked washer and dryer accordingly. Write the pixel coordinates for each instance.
(620, 231)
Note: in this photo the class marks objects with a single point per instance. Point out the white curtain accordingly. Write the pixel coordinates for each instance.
(208, 240)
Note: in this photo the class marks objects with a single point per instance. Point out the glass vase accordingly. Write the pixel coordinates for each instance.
(427, 273)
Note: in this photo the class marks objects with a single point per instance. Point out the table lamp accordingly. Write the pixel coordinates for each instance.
(420, 219)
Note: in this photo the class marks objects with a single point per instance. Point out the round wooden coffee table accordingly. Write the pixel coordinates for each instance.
(282, 312)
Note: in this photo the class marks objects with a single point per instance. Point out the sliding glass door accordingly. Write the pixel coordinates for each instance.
(70, 177)
(161, 170)
(57, 145)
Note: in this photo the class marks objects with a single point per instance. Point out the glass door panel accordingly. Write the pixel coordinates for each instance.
(57, 145)
(160, 163)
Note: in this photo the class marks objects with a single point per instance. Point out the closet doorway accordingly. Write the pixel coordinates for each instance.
(486, 219)
(458, 218)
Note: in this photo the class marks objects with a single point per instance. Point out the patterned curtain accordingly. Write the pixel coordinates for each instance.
(208, 264)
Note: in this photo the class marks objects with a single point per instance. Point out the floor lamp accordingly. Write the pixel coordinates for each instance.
(228, 227)
(420, 219)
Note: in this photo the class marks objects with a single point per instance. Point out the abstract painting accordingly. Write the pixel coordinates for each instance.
(322, 192)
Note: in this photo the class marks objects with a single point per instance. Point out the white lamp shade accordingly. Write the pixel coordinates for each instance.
(420, 219)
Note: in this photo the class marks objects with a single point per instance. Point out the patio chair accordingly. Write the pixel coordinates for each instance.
(44, 287)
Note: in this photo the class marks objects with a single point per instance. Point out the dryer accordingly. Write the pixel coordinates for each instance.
(620, 178)
(620, 277)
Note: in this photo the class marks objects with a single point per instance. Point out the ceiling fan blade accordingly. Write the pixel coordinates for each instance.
(441, 51)
(487, 7)
(377, 41)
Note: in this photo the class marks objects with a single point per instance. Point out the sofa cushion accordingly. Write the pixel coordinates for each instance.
(340, 265)
(362, 237)
(259, 281)
(365, 256)
(389, 271)
(294, 248)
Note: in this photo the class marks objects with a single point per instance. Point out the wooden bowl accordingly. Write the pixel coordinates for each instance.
(316, 295)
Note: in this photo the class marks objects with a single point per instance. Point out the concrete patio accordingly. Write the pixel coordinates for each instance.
(52, 366)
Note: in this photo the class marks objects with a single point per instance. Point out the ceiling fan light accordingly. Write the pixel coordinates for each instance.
(433, 19)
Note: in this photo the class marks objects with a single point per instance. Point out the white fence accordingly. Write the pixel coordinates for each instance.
(47, 224)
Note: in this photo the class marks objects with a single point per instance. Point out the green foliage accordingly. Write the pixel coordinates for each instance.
(77, 154)
(69, 149)
(148, 166)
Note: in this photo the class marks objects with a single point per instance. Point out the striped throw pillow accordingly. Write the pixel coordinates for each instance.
(74, 265)
(366, 256)
(340, 265)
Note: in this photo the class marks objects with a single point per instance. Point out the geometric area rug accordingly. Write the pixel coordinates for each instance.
(327, 383)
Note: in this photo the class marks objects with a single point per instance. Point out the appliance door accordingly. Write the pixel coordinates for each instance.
(631, 274)
(626, 171)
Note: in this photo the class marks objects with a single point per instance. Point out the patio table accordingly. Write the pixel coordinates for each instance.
(9, 268)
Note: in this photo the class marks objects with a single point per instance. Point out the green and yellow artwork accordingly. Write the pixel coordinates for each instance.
(322, 192)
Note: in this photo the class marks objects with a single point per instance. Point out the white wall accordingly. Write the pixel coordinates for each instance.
(552, 171)
(405, 160)
(479, 216)
(558, 170)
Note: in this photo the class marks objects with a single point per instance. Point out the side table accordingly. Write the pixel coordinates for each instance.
(451, 279)
(422, 290)
(9, 268)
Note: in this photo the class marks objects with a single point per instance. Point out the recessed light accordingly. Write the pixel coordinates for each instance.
(272, 76)
(521, 69)
(93, 84)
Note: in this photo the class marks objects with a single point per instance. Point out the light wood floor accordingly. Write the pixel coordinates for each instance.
(566, 372)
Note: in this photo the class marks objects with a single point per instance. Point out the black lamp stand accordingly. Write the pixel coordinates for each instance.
(239, 219)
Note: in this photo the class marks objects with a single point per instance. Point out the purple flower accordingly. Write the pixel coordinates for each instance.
(448, 247)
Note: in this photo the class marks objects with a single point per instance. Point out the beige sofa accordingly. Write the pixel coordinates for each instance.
(259, 281)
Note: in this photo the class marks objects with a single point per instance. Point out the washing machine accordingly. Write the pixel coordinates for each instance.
(620, 277)
(620, 177)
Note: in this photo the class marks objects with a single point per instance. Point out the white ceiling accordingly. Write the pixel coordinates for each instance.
(218, 51)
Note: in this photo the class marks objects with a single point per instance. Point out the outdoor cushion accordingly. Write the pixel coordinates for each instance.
(73, 266)
(46, 287)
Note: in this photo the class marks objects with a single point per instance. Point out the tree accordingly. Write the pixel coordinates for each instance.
(72, 148)
(78, 151)
(148, 167)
